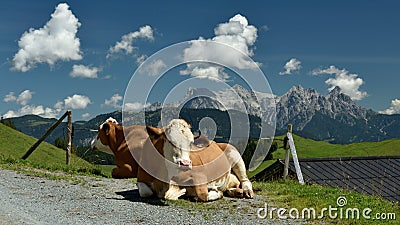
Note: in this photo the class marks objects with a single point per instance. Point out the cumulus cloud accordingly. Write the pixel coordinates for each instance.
(84, 71)
(137, 106)
(291, 66)
(55, 41)
(85, 115)
(236, 33)
(32, 109)
(10, 97)
(393, 109)
(23, 98)
(349, 83)
(72, 102)
(77, 102)
(113, 101)
(205, 71)
(141, 59)
(126, 44)
(153, 68)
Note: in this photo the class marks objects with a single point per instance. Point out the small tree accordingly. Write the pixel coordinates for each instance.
(62, 143)
(8, 123)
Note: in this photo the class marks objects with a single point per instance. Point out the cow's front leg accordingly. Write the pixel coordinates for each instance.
(122, 172)
(144, 190)
(174, 192)
(238, 169)
(233, 189)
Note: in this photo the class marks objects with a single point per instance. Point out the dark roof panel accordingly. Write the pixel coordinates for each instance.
(368, 175)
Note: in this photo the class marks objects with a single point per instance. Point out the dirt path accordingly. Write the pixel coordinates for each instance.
(26, 199)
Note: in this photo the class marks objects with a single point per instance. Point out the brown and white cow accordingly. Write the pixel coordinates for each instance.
(175, 143)
(110, 139)
(212, 163)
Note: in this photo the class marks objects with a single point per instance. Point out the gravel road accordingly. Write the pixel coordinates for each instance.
(27, 199)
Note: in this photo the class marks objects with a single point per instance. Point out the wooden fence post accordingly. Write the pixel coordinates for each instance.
(287, 148)
(69, 145)
(34, 146)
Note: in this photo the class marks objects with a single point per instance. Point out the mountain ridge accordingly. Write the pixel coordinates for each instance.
(333, 117)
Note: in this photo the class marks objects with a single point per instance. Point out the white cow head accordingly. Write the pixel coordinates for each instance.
(177, 138)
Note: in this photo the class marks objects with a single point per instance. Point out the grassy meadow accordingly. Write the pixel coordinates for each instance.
(14, 144)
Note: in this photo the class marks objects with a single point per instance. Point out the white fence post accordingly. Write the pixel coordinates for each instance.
(69, 144)
(292, 147)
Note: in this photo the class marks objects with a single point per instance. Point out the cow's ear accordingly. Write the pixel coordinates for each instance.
(154, 132)
(106, 128)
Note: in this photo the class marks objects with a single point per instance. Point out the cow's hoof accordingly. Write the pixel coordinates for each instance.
(248, 190)
(235, 192)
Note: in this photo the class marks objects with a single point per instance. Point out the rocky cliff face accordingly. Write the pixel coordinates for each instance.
(300, 105)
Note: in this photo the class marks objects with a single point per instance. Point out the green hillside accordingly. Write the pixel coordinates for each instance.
(14, 144)
(307, 148)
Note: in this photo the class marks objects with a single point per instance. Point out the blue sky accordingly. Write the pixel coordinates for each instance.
(80, 59)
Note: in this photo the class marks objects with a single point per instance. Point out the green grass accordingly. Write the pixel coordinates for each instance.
(307, 148)
(14, 144)
(290, 194)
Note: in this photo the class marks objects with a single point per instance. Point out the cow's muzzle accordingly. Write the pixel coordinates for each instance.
(185, 164)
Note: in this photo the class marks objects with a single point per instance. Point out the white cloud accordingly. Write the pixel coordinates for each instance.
(154, 68)
(113, 101)
(106, 77)
(137, 106)
(10, 97)
(205, 71)
(126, 43)
(32, 109)
(85, 115)
(55, 41)
(84, 71)
(23, 98)
(141, 59)
(348, 83)
(59, 106)
(77, 102)
(393, 109)
(291, 66)
(236, 33)
(72, 102)
(265, 27)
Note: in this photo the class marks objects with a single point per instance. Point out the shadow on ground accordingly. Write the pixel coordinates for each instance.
(133, 196)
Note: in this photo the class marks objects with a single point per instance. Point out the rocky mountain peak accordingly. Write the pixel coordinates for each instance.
(337, 95)
(299, 105)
